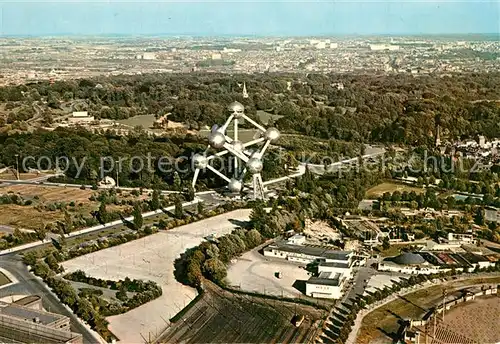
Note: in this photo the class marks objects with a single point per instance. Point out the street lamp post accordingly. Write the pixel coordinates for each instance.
(17, 166)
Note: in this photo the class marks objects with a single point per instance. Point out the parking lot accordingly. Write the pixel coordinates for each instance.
(152, 258)
(254, 272)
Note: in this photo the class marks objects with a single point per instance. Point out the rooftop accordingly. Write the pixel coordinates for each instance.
(334, 265)
(408, 258)
(325, 278)
(80, 114)
(29, 314)
(27, 300)
(319, 252)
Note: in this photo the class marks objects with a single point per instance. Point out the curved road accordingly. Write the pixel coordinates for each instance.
(29, 284)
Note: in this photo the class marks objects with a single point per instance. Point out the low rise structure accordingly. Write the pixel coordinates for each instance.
(427, 262)
(80, 117)
(334, 267)
(27, 324)
(327, 285)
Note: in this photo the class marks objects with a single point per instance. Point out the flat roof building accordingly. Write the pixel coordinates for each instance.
(326, 285)
(22, 324)
(334, 268)
(305, 254)
(80, 117)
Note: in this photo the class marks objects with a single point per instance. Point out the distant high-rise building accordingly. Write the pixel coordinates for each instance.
(379, 47)
(245, 93)
(438, 136)
(482, 141)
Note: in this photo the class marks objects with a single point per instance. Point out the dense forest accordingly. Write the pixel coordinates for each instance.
(383, 108)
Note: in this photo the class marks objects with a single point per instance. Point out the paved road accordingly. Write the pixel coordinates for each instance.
(371, 152)
(40, 181)
(112, 224)
(28, 284)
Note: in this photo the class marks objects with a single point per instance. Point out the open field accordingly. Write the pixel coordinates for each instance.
(394, 250)
(255, 273)
(49, 193)
(26, 217)
(29, 217)
(379, 325)
(224, 317)
(22, 176)
(152, 258)
(380, 189)
(145, 121)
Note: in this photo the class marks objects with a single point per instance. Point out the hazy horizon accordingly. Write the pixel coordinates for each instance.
(243, 18)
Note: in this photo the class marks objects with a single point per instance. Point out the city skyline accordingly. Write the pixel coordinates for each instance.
(229, 18)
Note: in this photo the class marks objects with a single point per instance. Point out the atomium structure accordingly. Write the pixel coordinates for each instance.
(244, 159)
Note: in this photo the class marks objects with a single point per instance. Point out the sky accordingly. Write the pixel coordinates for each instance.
(260, 18)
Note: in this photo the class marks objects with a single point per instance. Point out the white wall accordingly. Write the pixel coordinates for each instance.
(323, 291)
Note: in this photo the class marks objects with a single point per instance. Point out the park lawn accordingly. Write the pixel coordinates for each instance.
(377, 191)
(394, 250)
(384, 320)
(145, 121)
(3, 279)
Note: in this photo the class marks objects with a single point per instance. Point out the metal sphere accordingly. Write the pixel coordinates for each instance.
(237, 146)
(254, 165)
(235, 185)
(200, 161)
(217, 139)
(272, 134)
(236, 108)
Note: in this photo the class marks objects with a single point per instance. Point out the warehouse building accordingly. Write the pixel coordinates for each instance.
(334, 267)
(27, 324)
(427, 262)
(302, 253)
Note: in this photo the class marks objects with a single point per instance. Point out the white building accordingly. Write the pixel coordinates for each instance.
(482, 141)
(327, 285)
(461, 238)
(344, 268)
(334, 268)
(80, 117)
(149, 56)
(381, 47)
(305, 254)
(297, 239)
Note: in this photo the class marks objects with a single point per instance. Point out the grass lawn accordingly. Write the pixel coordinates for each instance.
(394, 250)
(145, 121)
(266, 116)
(384, 320)
(3, 279)
(380, 189)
